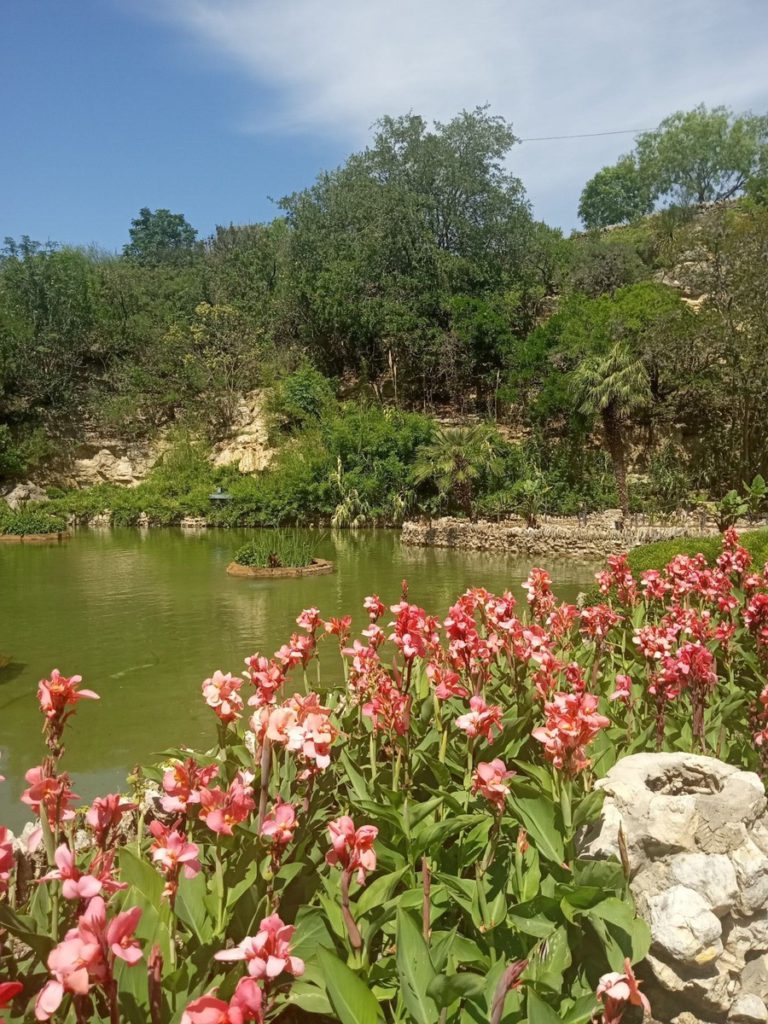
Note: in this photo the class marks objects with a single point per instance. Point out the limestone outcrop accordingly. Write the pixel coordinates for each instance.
(695, 831)
(247, 446)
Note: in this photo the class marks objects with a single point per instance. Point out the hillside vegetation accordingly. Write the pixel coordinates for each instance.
(412, 283)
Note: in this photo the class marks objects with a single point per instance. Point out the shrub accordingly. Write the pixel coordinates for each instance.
(275, 550)
(29, 520)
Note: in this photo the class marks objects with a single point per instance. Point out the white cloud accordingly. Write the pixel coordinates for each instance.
(552, 67)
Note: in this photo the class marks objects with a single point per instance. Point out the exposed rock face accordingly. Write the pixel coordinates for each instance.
(112, 463)
(248, 444)
(22, 493)
(696, 833)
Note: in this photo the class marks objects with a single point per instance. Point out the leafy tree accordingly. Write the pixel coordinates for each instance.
(616, 195)
(702, 155)
(160, 236)
(614, 386)
(455, 461)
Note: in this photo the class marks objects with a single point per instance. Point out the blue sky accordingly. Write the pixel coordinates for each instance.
(209, 107)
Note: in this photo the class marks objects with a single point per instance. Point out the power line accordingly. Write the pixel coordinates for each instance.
(586, 135)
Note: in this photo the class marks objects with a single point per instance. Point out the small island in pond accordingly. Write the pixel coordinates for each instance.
(281, 554)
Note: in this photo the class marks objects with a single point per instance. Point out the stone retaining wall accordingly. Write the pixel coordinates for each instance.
(589, 541)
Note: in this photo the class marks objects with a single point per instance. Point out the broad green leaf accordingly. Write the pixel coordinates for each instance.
(350, 997)
(430, 836)
(358, 783)
(24, 928)
(309, 998)
(538, 816)
(191, 908)
(140, 875)
(414, 969)
(378, 891)
(446, 989)
(540, 1012)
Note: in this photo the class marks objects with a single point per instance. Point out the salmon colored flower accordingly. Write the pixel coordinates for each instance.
(623, 689)
(309, 620)
(8, 992)
(374, 606)
(489, 780)
(279, 824)
(267, 676)
(105, 814)
(50, 792)
(75, 885)
(268, 953)
(572, 722)
(220, 693)
(58, 697)
(352, 849)
(481, 720)
(245, 1005)
(173, 854)
(7, 859)
(615, 991)
(222, 809)
(183, 783)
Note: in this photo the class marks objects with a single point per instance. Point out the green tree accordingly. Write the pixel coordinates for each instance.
(455, 461)
(159, 236)
(614, 386)
(702, 155)
(615, 195)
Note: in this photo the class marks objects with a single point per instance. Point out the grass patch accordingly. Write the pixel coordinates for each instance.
(282, 549)
(660, 553)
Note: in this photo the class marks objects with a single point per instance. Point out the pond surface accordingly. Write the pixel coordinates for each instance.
(145, 616)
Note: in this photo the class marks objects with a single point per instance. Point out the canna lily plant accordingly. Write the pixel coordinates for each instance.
(398, 841)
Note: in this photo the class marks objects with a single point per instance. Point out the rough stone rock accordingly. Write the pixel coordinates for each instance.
(247, 447)
(748, 1009)
(712, 876)
(696, 834)
(113, 462)
(22, 493)
(683, 927)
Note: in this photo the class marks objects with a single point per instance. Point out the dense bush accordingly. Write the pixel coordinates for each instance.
(29, 520)
(416, 824)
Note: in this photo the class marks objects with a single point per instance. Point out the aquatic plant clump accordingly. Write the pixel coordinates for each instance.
(396, 842)
(278, 549)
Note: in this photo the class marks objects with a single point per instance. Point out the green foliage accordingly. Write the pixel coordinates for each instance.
(303, 397)
(615, 195)
(28, 520)
(159, 236)
(456, 461)
(279, 549)
(660, 553)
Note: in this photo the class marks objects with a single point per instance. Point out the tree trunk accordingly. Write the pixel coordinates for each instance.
(615, 442)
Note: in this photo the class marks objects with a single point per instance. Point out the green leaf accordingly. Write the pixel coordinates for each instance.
(378, 891)
(309, 998)
(358, 783)
(588, 807)
(140, 875)
(414, 969)
(540, 1012)
(538, 816)
(191, 910)
(432, 836)
(446, 989)
(24, 928)
(350, 997)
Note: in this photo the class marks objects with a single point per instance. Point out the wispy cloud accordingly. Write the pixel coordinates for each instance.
(332, 67)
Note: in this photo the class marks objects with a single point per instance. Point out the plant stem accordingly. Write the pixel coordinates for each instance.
(426, 886)
(353, 931)
(266, 761)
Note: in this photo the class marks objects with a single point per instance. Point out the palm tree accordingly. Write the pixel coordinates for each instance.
(614, 386)
(455, 459)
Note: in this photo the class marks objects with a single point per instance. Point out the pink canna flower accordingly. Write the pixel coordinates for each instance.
(280, 824)
(481, 720)
(87, 955)
(489, 780)
(268, 953)
(572, 722)
(8, 992)
(352, 849)
(173, 854)
(298, 651)
(596, 622)
(75, 885)
(375, 607)
(58, 697)
(389, 708)
(339, 627)
(51, 794)
(7, 859)
(446, 682)
(220, 693)
(538, 587)
(183, 783)
(623, 689)
(267, 676)
(222, 809)
(309, 620)
(245, 1005)
(105, 814)
(615, 991)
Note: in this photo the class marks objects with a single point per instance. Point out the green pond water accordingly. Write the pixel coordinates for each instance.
(145, 616)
